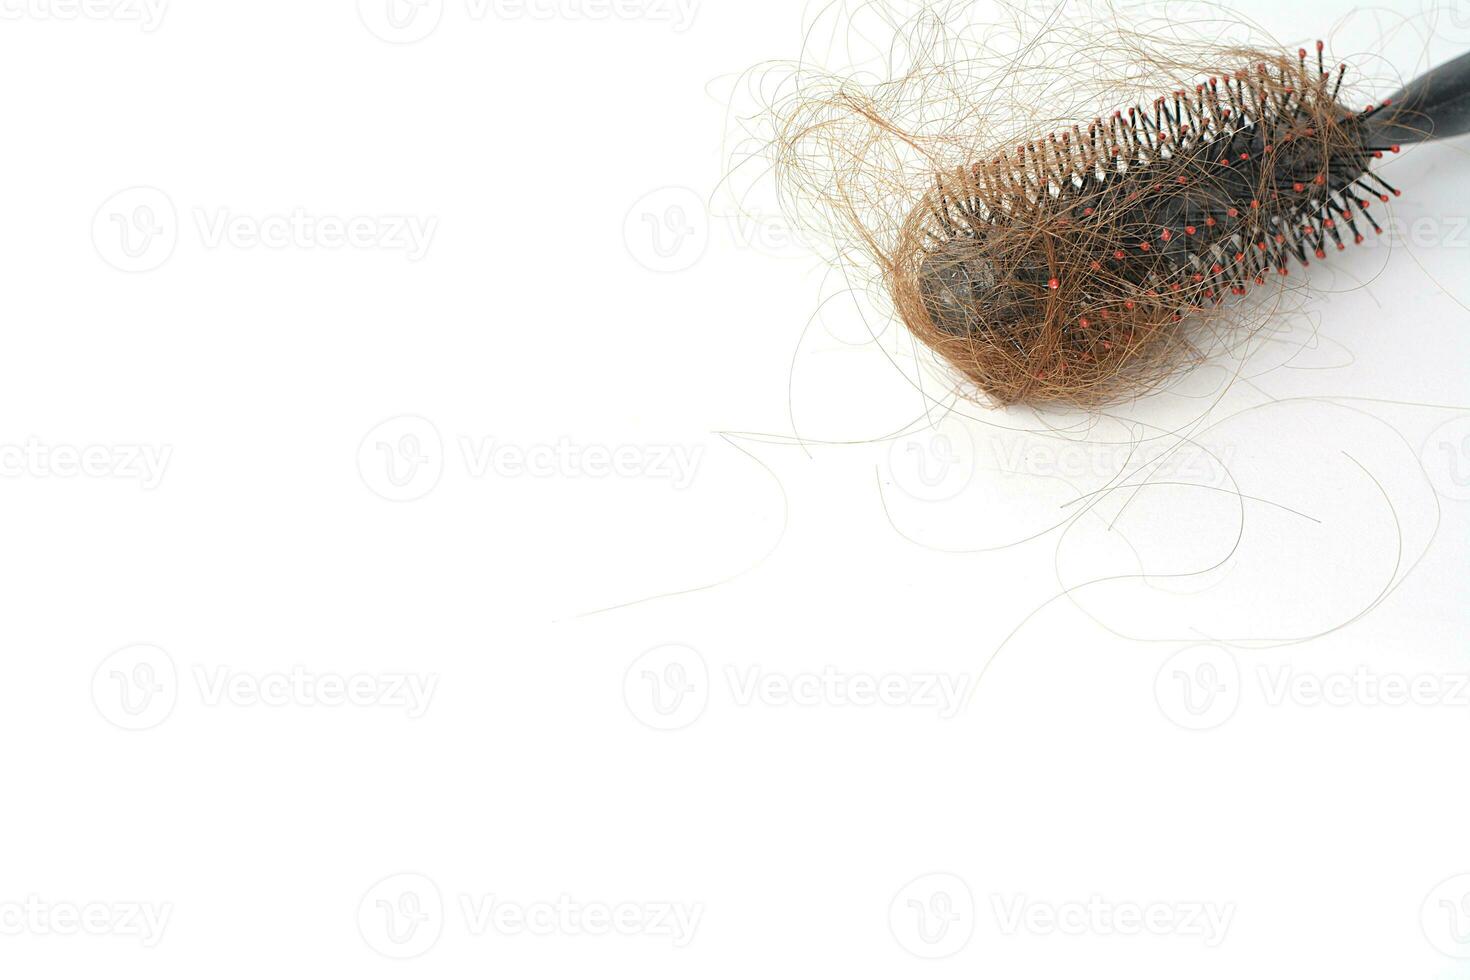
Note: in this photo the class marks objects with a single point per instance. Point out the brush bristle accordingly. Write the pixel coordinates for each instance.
(1061, 271)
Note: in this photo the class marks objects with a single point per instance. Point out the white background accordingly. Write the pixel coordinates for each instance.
(375, 465)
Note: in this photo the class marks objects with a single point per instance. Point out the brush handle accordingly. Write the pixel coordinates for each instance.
(1436, 105)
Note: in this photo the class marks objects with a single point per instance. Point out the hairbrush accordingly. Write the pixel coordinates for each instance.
(1062, 271)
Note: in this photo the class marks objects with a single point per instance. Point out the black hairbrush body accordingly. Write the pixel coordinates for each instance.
(1436, 105)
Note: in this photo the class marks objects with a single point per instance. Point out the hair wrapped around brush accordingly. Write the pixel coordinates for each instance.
(1076, 266)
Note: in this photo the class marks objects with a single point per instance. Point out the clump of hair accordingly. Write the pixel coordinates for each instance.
(1079, 260)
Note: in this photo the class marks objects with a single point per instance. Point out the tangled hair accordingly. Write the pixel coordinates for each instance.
(1051, 255)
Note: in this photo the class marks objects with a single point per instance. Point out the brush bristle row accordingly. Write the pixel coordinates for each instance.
(1048, 271)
